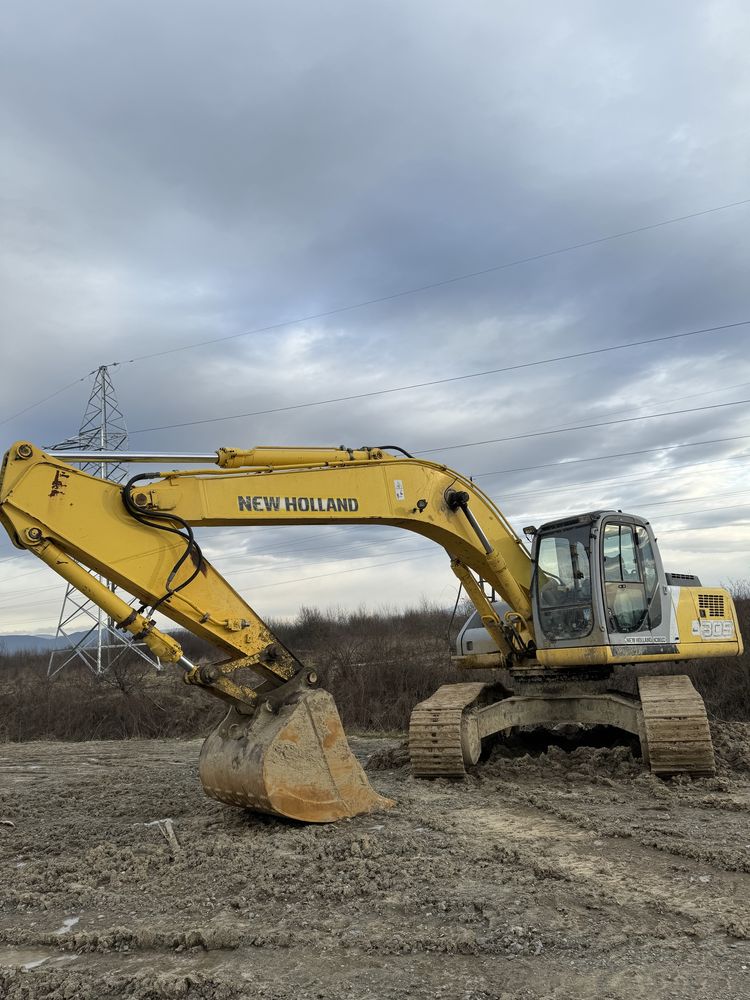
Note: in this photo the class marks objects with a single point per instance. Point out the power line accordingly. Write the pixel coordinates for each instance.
(543, 516)
(443, 381)
(523, 494)
(662, 514)
(46, 399)
(395, 295)
(708, 527)
(294, 547)
(220, 563)
(366, 533)
(618, 454)
(358, 569)
(705, 496)
(518, 495)
(9, 558)
(441, 283)
(688, 395)
(639, 506)
(620, 480)
(703, 510)
(437, 551)
(348, 548)
(582, 427)
(503, 472)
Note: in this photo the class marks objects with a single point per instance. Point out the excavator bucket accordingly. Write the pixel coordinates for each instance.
(290, 760)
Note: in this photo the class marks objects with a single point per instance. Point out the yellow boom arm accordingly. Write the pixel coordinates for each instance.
(130, 536)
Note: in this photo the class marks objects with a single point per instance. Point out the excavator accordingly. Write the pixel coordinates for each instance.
(589, 593)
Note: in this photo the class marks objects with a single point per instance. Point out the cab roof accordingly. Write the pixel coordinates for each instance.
(590, 517)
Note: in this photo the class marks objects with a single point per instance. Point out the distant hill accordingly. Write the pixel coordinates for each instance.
(10, 644)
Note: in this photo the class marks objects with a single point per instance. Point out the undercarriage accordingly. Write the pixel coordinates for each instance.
(668, 718)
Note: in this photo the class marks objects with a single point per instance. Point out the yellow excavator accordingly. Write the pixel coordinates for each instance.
(589, 594)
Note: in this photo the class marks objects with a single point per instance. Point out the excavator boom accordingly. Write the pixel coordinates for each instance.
(123, 533)
(281, 747)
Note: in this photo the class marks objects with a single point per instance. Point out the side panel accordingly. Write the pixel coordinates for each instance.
(474, 637)
(707, 618)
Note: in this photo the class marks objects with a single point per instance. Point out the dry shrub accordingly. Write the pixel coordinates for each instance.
(377, 665)
(131, 700)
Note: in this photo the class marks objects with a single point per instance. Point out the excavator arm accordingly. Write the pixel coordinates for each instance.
(369, 486)
(140, 538)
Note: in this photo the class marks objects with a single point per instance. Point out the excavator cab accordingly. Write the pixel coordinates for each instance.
(597, 579)
(600, 595)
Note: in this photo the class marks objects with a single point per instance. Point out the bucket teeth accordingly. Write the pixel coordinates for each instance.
(293, 761)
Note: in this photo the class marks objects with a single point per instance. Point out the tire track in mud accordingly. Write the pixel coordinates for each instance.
(615, 872)
(710, 828)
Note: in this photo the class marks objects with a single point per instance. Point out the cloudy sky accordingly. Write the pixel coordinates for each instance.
(198, 193)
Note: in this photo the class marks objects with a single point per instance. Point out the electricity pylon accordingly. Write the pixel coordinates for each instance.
(89, 634)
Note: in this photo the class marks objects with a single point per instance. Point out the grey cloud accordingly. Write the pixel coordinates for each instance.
(172, 174)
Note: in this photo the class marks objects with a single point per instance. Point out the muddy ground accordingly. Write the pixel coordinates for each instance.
(566, 875)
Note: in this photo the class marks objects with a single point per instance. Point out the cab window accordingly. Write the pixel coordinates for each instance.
(647, 560)
(620, 561)
(630, 578)
(564, 585)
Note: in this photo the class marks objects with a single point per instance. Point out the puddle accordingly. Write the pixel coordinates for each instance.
(28, 959)
(67, 924)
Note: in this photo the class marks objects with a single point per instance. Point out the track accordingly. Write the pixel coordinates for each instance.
(676, 726)
(441, 742)
(675, 738)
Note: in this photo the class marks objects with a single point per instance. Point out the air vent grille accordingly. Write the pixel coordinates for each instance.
(712, 605)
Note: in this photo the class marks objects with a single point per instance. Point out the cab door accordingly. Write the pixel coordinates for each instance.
(633, 599)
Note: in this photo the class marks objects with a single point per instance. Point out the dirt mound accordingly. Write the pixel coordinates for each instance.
(731, 745)
(588, 750)
(388, 758)
(585, 751)
(592, 751)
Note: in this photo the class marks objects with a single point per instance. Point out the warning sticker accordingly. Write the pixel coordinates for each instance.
(398, 485)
